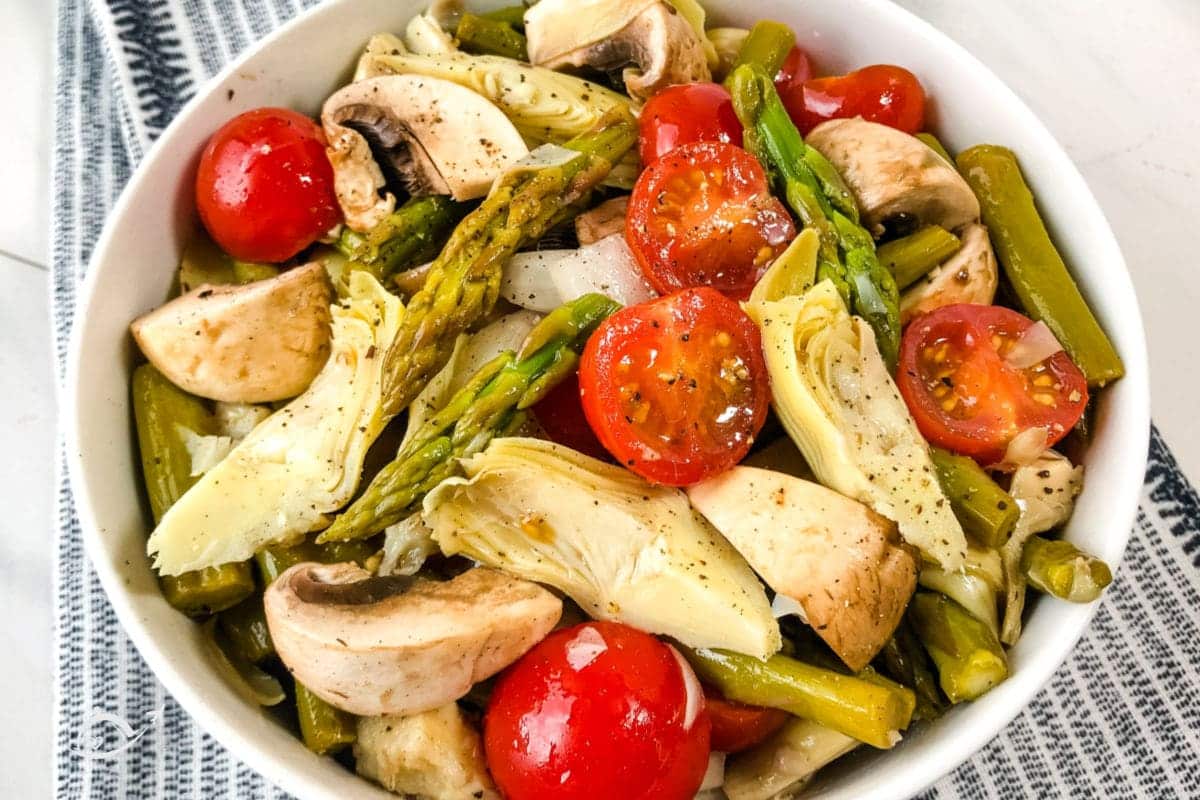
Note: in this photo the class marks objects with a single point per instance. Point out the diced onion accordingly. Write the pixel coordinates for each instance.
(695, 693)
(1033, 347)
(543, 280)
(784, 606)
(251, 682)
(1025, 448)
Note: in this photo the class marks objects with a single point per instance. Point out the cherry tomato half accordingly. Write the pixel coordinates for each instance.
(736, 726)
(702, 215)
(685, 113)
(676, 388)
(264, 188)
(796, 70)
(598, 710)
(560, 413)
(967, 398)
(882, 93)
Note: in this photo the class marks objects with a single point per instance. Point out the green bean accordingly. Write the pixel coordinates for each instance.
(863, 709)
(968, 656)
(1059, 568)
(245, 625)
(160, 410)
(489, 37)
(325, 729)
(912, 256)
(934, 144)
(1032, 264)
(510, 15)
(767, 46)
(985, 511)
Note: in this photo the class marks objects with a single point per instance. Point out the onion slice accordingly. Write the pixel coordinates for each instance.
(543, 280)
(695, 692)
(1033, 347)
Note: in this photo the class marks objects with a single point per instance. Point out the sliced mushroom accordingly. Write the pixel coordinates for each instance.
(395, 645)
(657, 44)
(433, 137)
(434, 755)
(968, 276)
(898, 181)
(604, 220)
(843, 563)
(253, 343)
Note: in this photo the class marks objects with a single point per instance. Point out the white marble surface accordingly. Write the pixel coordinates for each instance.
(1118, 83)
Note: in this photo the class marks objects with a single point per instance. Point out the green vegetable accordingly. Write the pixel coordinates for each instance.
(486, 36)
(239, 672)
(410, 235)
(906, 661)
(935, 144)
(821, 200)
(1059, 568)
(203, 262)
(323, 728)
(766, 47)
(969, 658)
(489, 404)
(160, 411)
(862, 709)
(987, 512)
(1033, 265)
(509, 15)
(912, 256)
(245, 626)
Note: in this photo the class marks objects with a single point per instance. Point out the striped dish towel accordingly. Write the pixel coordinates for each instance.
(1120, 719)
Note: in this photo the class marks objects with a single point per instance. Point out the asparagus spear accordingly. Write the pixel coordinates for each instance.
(491, 403)
(864, 709)
(486, 36)
(906, 661)
(969, 658)
(1061, 569)
(767, 46)
(464, 281)
(821, 199)
(912, 256)
(245, 626)
(160, 410)
(511, 15)
(410, 235)
(987, 512)
(935, 144)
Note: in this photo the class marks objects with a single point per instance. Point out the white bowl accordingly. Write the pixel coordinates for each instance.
(298, 66)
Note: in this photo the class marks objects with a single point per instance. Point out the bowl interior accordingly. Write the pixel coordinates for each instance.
(298, 66)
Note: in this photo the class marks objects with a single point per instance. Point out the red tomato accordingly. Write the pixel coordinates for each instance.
(560, 413)
(599, 710)
(796, 69)
(676, 388)
(967, 398)
(736, 726)
(685, 113)
(702, 215)
(265, 188)
(883, 93)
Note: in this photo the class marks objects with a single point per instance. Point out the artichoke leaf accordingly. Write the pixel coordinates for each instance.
(836, 399)
(300, 464)
(623, 549)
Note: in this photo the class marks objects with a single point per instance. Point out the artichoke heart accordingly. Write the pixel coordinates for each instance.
(837, 401)
(301, 463)
(623, 549)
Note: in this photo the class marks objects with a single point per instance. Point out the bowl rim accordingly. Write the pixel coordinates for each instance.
(1036, 672)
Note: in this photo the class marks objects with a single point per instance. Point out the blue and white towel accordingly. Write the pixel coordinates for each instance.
(1120, 719)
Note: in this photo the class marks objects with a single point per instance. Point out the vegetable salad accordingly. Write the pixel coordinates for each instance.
(593, 403)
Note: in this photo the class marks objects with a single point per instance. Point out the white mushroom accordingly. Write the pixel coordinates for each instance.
(896, 178)
(394, 645)
(604, 220)
(968, 276)
(657, 44)
(843, 563)
(253, 343)
(430, 135)
(434, 755)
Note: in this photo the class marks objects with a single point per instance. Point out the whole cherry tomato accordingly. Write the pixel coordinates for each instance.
(736, 726)
(883, 93)
(684, 113)
(560, 413)
(796, 69)
(676, 388)
(703, 215)
(264, 188)
(599, 710)
(970, 392)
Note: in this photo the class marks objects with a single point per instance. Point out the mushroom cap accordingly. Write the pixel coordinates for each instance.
(843, 563)
(968, 276)
(648, 35)
(893, 174)
(374, 645)
(434, 136)
(253, 343)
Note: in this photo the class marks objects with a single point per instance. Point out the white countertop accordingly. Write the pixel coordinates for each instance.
(1118, 83)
